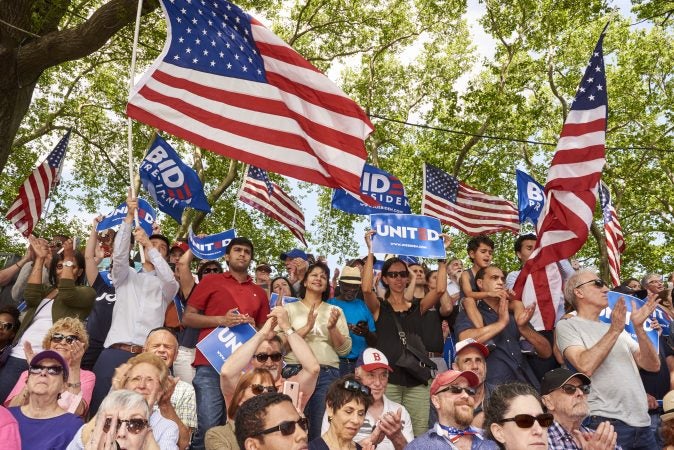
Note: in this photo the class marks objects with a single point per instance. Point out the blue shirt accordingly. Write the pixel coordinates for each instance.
(437, 438)
(355, 311)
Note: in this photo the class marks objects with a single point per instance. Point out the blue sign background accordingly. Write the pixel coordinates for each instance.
(530, 198)
(146, 217)
(407, 234)
(210, 247)
(273, 298)
(220, 343)
(605, 316)
(387, 189)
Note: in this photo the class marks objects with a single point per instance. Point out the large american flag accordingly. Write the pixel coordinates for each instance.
(258, 191)
(226, 83)
(571, 191)
(26, 210)
(615, 241)
(465, 208)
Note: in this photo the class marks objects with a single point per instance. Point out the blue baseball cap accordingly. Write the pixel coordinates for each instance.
(294, 253)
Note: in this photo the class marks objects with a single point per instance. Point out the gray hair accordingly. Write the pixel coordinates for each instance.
(644, 279)
(123, 399)
(572, 282)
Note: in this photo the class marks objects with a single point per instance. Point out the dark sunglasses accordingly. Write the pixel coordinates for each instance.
(527, 421)
(598, 283)
(457, 390)
(571, 389)
(51, 370)
(401, 274)
(211, 270)
(58, 337)
(133, 426)
(286, 428)
(6, 325)
(355, 386)
(263, 357)
(261, 389)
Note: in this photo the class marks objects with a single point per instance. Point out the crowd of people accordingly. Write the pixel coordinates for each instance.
(103, 353)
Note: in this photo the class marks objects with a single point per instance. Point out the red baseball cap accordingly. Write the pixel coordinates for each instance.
(449, 376)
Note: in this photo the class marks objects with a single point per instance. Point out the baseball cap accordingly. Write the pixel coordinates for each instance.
(181, 245)
(470, 342)
(372, 359)
(558, 377)
(264, 267)
(51, 354)
(449, 376)
(294, 253)
(350, 275)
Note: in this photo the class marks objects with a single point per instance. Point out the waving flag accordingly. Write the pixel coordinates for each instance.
(267, 197)
(226, 83)
(530, 198)
(615, 242)
(463, 207)
(379, 184)
(571, 191)
(34, 192)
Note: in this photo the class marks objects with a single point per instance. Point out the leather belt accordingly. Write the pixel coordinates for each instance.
(434, 355)
(131, 348)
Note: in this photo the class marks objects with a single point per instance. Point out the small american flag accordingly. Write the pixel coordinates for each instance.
(34, 192)
(465, 208)
(571, 191)
(615, 241)
(266, 196)
(226, 83)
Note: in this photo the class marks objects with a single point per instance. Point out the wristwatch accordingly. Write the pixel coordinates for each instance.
(289, 331)
(68, 263)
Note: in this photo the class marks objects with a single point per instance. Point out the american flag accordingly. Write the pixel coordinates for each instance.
(226, 83)
(465, 208)
(258, 191)
(571, 191)
(34, 192)
(615, 242)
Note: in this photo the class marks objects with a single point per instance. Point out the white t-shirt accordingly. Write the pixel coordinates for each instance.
(37, 330)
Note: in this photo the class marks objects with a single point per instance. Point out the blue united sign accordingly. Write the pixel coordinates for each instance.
(220, 343)
(407, 234)
(378, 184)
(146, 217)
(605, 316)
(210, 247)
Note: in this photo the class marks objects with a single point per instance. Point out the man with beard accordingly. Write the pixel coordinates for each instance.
(565, 396)
(452, 395)
(471, 355)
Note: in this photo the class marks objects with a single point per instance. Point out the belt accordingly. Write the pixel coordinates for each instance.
(133, 348)
(434, 355)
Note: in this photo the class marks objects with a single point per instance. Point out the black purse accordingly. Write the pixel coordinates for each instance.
(414, 359)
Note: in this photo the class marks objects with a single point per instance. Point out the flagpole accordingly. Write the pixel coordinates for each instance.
(129, 125)
(236, 204)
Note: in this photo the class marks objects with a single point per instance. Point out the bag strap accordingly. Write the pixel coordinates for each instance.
(401, 334)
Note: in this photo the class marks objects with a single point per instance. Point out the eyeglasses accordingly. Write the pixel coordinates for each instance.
(597, 282)
(263, 357)
(527, 421)
(355, 386)
(458, 389)
(401, 274)
(261, 389)
(51, 370)
(211, 270)
(656, 281)
(6, 325)
(58, 337)
(287, 428)
(133, 426)
(571, 389)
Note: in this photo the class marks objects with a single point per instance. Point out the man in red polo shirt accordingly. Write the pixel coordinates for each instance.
(214, 303)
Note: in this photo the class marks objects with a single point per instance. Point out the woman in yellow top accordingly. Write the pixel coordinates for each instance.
(324, 328)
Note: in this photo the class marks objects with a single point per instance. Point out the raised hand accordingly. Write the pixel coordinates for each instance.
(639, 316)
(618, 316)
(334, 316)
(28, 351)
(368, 239)
(525, 315)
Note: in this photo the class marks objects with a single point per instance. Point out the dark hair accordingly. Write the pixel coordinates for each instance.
(303, 289)
(339, 396)
(483, 270)
(162, 238)
(249, 419)
(210, 262)
(387, 265)
(475, 242)
(14, 312)
(500, 400)
(240, 240)
(290, 285)
(524, 237)
(245, 381)
(79, 258)
(628, 281)
(428, 274)
(167, 329)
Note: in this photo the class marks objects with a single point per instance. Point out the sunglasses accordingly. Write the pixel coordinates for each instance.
(571, 389)
(58, 337)
(527, 421)
(401, 274)
(261, 389)
(286, 428)
(598, 283)
(457, 390)
(51, 370)
(133, 426)
(55, 244)
(6, 325)
(211, 270)
(355, 386)
(263, 357)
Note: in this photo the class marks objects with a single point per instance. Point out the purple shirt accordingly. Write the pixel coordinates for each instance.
(54, 433)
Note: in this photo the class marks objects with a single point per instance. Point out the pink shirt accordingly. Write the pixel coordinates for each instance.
(9, 431)
(68, 401)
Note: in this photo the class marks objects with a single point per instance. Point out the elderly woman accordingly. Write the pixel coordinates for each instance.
(255, 382)
(43, 424)
(514, 418)
(65, 296)
(122, 419)
(324, 328)
(347, 401)
(69, 338)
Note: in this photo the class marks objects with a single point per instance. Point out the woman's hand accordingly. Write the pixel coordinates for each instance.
(368, 239)
(40, 247)
(76, 354)
(311, 321)
(28, 351)
(334, 317)
(101, 440)
(120, 376)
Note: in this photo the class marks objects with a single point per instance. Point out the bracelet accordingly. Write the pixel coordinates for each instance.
(17, 265)
(74, 385)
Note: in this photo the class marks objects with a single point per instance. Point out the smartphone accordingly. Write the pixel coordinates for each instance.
(292, 390)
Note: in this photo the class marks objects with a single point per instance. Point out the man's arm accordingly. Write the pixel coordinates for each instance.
(541, 345)
(486, 333)
(186, 279)
(120, 254)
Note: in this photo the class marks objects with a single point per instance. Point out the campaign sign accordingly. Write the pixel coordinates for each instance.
(530, 198)
(173, 184)
(378, 184)
(220, 343)
(146, 217)
(274, 300)
(212, 246)
(407, 234)
(605, 316)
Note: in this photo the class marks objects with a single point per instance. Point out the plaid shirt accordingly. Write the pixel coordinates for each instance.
(560, 439)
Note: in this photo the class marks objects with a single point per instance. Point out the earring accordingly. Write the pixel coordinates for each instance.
(329, 419)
